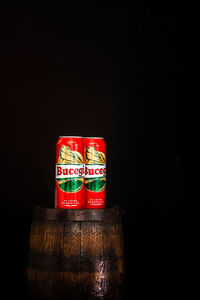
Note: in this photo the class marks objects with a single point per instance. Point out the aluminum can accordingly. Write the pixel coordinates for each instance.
(69, 185)
(95, 172)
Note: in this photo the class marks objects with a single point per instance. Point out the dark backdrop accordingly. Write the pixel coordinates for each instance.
(118, 71)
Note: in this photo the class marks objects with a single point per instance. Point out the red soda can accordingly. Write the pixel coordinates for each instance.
(69, 185)
(95, 172)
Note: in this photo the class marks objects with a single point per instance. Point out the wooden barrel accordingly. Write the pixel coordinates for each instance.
(75, 254)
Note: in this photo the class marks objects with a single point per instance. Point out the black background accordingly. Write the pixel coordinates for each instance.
(120, 71)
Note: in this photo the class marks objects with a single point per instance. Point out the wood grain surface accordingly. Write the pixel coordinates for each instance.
(75, 254)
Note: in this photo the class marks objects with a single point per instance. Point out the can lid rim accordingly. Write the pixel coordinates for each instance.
(70, 136)
(93, 137)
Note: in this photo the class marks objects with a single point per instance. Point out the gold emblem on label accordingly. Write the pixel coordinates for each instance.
(69, 157)
(92, 156)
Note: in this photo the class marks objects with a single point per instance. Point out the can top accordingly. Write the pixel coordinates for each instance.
(94, 137)
(70, 136)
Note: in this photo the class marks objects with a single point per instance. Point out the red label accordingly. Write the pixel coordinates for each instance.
(95, 172)
(69, 192)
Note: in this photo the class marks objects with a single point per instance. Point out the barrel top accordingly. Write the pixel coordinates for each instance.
(57, 214)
